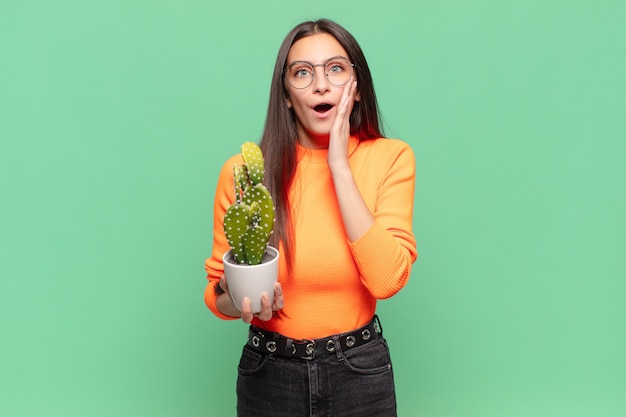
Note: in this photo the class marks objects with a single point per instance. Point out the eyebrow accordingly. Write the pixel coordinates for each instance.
(324, 62)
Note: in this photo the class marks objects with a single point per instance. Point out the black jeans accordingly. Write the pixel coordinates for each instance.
(357, 382)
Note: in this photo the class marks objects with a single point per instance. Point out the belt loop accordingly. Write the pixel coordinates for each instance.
(338, 349)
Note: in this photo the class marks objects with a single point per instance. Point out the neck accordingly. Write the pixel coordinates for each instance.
(311, 140)
(314, 142)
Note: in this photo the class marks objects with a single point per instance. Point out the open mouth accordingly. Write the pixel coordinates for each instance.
(323, 108)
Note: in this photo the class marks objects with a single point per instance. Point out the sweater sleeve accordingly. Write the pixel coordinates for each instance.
(385, 253)
(224, 197)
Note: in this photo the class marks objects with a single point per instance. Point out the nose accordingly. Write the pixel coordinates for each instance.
(320, 81)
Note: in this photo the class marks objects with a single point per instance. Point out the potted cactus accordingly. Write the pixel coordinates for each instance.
(251, 265)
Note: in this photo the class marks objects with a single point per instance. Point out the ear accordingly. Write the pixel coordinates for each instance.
(288, 102)
(357, 96)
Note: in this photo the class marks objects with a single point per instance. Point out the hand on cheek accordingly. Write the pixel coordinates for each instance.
(340, 131)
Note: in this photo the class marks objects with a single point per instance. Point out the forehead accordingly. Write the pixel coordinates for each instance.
(316, 48)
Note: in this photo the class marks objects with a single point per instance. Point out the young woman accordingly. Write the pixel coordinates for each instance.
(344, 205)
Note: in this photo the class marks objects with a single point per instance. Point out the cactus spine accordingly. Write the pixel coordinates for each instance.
(249, 221)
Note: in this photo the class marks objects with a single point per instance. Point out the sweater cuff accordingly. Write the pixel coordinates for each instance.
(210, 299)
(380, 260)
(370, 245)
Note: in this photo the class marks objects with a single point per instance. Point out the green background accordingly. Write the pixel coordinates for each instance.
(116, 115)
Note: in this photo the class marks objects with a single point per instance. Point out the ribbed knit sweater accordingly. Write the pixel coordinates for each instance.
(335, 283)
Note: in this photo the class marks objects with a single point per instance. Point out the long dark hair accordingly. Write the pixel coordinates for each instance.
(280, 136)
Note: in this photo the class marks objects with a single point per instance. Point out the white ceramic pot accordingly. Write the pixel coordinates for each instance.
(252, 280)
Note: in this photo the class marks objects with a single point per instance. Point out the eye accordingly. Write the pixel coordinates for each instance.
(335, 67)
(302, 72)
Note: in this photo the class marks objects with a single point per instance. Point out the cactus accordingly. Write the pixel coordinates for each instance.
(249, 221)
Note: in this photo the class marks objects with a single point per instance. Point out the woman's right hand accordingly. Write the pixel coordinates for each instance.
(226, 306)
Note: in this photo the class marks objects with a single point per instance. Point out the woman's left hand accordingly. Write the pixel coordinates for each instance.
(357, 217)
(340, 130)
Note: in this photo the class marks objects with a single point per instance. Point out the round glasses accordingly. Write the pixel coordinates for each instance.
(300, 74)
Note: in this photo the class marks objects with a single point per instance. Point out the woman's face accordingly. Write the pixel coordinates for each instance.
(316, 105)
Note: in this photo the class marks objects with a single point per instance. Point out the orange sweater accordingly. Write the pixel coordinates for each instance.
(335, 283)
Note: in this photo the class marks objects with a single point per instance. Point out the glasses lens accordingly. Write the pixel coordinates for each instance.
(338, 71)
(300, 74)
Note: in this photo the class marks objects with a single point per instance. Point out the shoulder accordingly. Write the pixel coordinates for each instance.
(382, 163)
(233, 160)
(227, 167)
(386, 149)
(226, 178)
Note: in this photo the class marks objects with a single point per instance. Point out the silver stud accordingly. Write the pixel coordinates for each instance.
(330, 346)
(350, 341)
(310, 347)
(271, 346)
(255, 341)
(366, 334)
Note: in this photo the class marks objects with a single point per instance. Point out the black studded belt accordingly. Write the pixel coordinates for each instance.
(277, 344)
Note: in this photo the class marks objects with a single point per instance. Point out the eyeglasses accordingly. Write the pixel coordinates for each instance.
(300, 74)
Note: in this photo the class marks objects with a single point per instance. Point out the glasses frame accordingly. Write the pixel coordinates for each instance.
(312, 65)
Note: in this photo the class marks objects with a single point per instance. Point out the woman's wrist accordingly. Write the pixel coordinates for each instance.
(226, 306)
